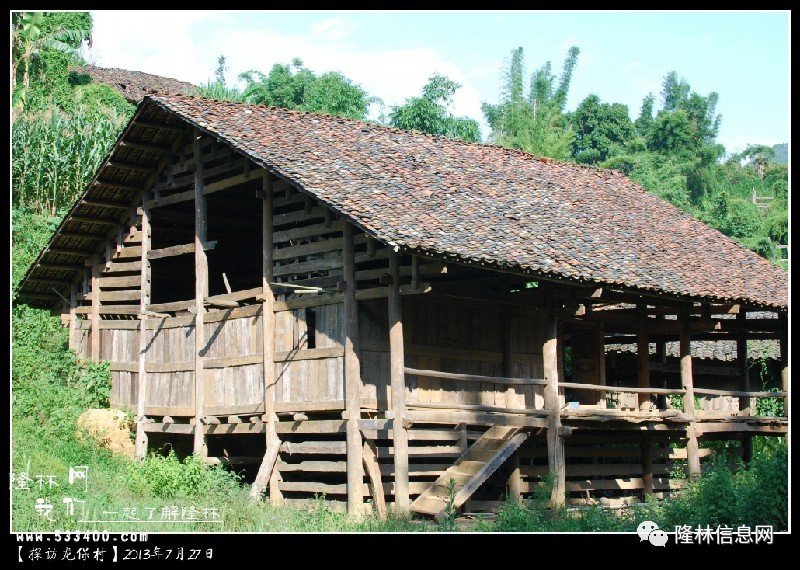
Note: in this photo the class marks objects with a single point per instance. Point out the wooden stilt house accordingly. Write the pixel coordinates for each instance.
(367, 313)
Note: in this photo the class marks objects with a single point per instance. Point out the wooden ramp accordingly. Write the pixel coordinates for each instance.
(482, 459)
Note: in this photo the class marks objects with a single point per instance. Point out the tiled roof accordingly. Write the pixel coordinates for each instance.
(134, 85)
(483, 205)
(724, 350)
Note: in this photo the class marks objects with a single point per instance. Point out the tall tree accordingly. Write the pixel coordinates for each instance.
(429, 112)
(293, 86)
(533, 122)
(602, 130)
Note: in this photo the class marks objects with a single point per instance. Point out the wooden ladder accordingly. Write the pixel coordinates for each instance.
(477, 463)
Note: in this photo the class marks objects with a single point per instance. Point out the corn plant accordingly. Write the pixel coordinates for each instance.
(54, 155)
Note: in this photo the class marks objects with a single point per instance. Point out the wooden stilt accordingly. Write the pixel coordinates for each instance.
(95, 347)
(744, 385)
(514, 480)
(784, 344)
(375, 481)
(201, 291)
(267, 471)
(72, 341)
(643, 359)
(355, 468)
(398, 383)
(144, 300)
(555, 441)
(692, 451)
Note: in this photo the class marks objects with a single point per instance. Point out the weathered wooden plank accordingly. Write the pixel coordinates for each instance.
(308, 354)
(307, 231)
(476, 378)
(119, 282)
(477, 408)
(172, 251)
(299, 216)
(170, 307)
(231, 361)
(226, 183)
(472, 418)
(313, 248)
(303, 267)
(310, 301)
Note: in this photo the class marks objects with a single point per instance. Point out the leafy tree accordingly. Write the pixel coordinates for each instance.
(293, 86)
(429, 112)
(602, 130)
(36, 33)
(533, 122)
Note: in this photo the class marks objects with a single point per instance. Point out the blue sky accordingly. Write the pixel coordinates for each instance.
(742, 55)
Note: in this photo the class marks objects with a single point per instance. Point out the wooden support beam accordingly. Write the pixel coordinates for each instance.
(106, 203)
(161, 149)
(73, 321)
(644, 402)
(688, 396)
(744, 370)
(352, 374)
(784, 348)
(267, 468)
(144, 301)
(514, 480)
(159, 126)
(119, 185)
(96, 310)
(90, 220)
(398, 386)
(555, 440)
(200, 293)
(375, 482)
(234, 181)
(268, 327)
(173, 251)
(132, 166)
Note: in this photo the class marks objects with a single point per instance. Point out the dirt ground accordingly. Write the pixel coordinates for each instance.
(109, 428)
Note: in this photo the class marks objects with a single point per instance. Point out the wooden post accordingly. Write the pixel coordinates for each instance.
(96, 309)
(744, 385)
(647, 466)
(398, 383)
(692, 451)
(514, 480)
(200, 292)
(352, 374)
(73, 324)
(661, 358)
(268, 335)
(644, 402)
(144, 300)
(555, 441)
(784, 344)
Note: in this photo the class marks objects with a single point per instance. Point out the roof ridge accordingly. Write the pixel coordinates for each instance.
(389, 128)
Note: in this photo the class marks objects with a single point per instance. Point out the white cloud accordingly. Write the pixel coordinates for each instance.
(332, 28)
(163, 44)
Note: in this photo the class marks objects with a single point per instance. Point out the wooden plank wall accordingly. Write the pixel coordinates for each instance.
(451, 335)
(609, 466)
